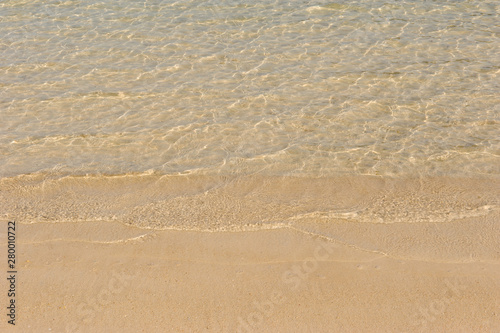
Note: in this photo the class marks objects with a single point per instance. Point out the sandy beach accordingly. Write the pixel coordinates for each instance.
(322, 270)
(235, 166)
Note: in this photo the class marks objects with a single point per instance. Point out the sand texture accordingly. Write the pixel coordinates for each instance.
(150, 253)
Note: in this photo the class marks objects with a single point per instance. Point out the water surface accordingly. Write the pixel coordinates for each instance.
(312, 88)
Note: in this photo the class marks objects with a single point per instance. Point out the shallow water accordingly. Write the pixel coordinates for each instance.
(312, 88)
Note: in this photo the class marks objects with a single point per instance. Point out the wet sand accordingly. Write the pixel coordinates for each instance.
(429, 262)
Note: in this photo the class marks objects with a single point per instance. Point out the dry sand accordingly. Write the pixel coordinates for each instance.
(359, 254)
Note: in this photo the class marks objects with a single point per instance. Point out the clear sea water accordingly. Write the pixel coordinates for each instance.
(310, 88)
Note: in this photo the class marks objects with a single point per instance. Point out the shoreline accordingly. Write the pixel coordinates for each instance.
(252, 202)
(255, 254)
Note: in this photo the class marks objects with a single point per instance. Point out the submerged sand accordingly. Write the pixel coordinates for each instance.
(159, 253)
